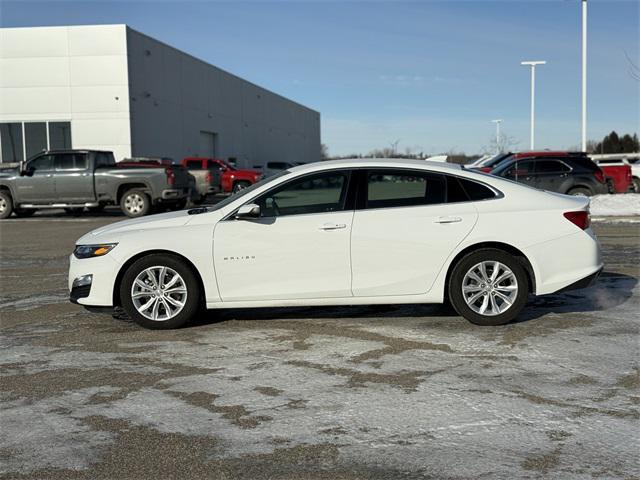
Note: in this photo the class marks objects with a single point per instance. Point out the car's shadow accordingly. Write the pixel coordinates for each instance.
(610, 291)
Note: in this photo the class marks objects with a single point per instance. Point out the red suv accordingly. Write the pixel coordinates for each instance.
(231, 179)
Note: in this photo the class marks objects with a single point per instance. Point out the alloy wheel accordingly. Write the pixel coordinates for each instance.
(489, 288)
(159, 293)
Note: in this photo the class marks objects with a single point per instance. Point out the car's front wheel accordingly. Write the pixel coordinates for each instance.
(160, 291)
(489, 287)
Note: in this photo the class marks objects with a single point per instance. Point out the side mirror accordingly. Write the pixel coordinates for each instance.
(250, 210)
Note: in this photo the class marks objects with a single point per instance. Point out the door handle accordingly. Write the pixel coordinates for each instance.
(448, 220)
(333, 226)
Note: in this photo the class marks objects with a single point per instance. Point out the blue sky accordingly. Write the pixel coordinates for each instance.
(430, 74)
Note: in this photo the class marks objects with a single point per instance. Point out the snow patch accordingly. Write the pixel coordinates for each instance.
(627, 204)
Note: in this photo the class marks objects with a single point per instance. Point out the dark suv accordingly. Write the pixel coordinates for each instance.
(570, 174)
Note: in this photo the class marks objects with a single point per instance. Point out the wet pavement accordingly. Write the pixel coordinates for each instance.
(324, 393)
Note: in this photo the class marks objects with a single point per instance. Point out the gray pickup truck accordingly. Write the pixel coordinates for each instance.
(75, 179)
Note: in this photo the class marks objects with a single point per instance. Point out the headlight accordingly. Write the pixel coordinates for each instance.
(89, 251)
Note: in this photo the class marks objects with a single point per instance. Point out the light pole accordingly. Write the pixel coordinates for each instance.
(533, 65)
(584, 75)
(498, 121)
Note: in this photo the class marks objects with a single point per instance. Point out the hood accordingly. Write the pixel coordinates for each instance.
(163, 220)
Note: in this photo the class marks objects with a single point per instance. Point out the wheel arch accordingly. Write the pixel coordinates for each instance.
(124, 187)
(517, 253)
(125, 266)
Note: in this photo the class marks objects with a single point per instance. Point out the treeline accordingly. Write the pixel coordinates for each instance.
(613, 143)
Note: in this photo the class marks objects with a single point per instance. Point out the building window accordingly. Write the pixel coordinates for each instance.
(35, 135)
(59, 135)
(22, 140)
(11, 140)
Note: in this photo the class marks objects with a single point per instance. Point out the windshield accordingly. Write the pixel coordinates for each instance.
(235, 196)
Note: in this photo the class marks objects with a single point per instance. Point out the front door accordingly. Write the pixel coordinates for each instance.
(402, 237)
(74, 179)
(298, 247)
(37, 187)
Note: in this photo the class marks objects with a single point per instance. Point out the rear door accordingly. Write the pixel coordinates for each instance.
(522, 171)
(551, 174)
(403, 231)
(215, 171)
(73, 177)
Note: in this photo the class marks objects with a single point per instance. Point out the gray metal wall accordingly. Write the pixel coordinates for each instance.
(174, 97)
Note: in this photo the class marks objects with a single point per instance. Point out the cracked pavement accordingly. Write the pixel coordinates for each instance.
(407, 391)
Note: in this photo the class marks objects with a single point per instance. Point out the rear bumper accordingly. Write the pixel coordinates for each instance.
(583, 282)
(175, 193)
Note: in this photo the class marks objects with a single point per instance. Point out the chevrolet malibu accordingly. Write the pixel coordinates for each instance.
(344, 233)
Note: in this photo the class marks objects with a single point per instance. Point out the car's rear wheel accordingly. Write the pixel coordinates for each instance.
(636, 185)
(6, 205)
(489, 287)
(580, 191)
(160, 292)
(135, 203)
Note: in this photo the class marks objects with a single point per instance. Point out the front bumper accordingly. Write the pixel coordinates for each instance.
(103, 271)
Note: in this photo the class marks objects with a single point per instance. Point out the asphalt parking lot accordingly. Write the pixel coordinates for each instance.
(320, 393)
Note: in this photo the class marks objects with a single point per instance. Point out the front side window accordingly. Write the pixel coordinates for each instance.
(44, 162)
(389, 188)
(520, 169)
(320, 193)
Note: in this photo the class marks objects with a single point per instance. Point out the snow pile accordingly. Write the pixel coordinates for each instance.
(616, 205)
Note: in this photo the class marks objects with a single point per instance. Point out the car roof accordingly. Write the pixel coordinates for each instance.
(377, 163)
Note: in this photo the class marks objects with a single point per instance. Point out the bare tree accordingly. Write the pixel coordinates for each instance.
(500, 145)
(632, 68)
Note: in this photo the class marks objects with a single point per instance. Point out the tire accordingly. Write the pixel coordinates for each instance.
(191, 299)
(240, 186)
(636, 185)
(24, 212)
(461, 276)
(585, 192)
(135, 203)
(6, 204)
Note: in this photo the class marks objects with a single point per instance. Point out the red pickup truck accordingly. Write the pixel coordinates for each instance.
(618, 173)
(231, 179)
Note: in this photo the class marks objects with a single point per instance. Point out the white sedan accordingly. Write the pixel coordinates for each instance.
(343, 233)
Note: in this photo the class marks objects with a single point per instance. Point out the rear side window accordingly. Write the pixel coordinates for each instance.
(193, 164)
(70, 161)
(389, 188)
(551, 166)
(464, 190)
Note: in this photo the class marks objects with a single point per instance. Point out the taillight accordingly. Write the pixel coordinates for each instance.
(599, 174)
(171, 177)
(580, 219)
(486, 169)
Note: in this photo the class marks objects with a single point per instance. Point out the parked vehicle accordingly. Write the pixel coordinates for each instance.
(618, 173)
(343, 233)
(273, 168)
(487, 164)
(207, 174)
(75, 179)
(635, 172)
(232, 179)
(569, 174)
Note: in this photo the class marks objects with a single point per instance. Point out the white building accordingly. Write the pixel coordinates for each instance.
(109, 87)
